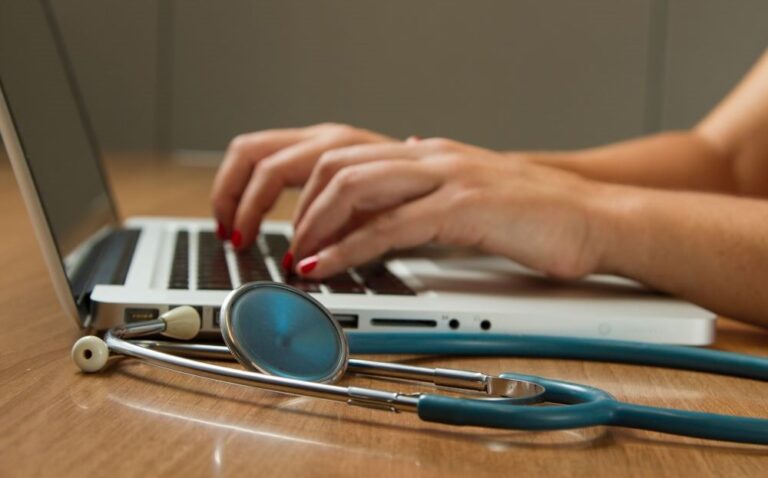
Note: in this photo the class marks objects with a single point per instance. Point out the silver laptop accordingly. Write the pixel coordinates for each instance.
(106, 271)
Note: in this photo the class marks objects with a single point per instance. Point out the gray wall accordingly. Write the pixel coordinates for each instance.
(502, 73)
(710, 45)
(113, 45)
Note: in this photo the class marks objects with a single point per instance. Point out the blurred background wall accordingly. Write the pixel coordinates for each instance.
(190, 74)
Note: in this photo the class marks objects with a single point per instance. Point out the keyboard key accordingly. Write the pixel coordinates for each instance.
(277, 244)
(379, 280)
(180, 266)
(251, 266)
(212, 269)
(307, 285)
(178, 284)
(344, 284)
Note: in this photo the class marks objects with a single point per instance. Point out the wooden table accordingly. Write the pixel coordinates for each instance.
(137, 419)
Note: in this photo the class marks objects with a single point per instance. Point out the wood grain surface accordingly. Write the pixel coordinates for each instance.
(138, 420)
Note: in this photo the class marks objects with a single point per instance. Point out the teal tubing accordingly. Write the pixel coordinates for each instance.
(601, 350)
(580, 405)
(584, 406)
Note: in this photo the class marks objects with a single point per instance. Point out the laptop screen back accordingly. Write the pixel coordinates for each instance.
(51, 125)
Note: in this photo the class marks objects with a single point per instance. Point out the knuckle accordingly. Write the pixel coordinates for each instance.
(328, 163)
(342, 132)
(467, 198)
(384, 224)
(347, 180)
(453, 163)
(268, 168)
(441, 144)
(239, 142)
(328, 125)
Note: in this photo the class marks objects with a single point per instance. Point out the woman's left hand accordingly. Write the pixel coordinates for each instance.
(362, 201)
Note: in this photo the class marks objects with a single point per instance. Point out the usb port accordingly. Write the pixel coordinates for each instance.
(347, 321)
(139, 315)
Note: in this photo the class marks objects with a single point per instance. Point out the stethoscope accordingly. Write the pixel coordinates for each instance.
(291, 343)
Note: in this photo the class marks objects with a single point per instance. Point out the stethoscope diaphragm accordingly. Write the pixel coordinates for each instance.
(276, 329)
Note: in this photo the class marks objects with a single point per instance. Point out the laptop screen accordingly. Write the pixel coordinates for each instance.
(51, 124)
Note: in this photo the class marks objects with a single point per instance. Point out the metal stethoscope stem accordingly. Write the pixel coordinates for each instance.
(440, 377)
(393, 401)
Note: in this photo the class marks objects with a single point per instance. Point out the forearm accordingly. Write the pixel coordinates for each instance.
(677, 160)
(726, 152)
(709, 249)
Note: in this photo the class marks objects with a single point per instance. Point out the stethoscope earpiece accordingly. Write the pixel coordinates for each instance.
(90, 354)
(182, 323)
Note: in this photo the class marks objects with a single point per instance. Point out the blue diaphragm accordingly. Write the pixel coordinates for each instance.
(279, 330)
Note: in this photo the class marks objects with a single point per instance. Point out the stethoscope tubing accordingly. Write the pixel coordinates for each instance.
(573, 405)
(586, 406)
(571, 348)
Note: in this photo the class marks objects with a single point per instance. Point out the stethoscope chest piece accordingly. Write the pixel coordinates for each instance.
(275, 329)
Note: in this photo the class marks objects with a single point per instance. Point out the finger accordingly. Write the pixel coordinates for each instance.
(409, 225)
(335, 160)
(287, 167)
(233, 175)
(365, 187)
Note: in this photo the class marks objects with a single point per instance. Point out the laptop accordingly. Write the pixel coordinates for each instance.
(107, 271)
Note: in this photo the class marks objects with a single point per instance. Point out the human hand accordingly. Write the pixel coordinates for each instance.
(441, 191)
(257, 166)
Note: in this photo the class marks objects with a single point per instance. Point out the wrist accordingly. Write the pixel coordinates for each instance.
(616, 221)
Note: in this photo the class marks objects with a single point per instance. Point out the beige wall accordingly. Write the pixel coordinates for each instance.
(189, 74)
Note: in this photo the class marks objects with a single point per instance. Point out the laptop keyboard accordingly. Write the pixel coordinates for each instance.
(180, 265)
(213, 271)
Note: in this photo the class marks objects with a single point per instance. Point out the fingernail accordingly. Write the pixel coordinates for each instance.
(413, 139)
(221, 232)
(237, 238)
(288, 261)
(307, 265)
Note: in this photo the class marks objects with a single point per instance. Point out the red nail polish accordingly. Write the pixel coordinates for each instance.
(221, 232)
(288, 261)
(413, 139)
(237, 238)
(307, 265)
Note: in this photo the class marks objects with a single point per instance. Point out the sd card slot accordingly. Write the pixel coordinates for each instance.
(403, 322)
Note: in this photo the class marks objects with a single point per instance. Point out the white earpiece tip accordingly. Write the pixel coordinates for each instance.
(181, 323)
(90, 354)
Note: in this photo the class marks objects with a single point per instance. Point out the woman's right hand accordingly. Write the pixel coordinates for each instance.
(257, 166)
